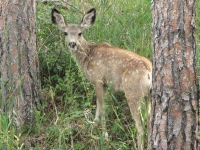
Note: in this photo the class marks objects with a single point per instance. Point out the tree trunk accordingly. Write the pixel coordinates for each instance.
(175, 92)
(19, 62)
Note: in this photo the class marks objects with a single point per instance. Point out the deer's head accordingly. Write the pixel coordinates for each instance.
(73, 32)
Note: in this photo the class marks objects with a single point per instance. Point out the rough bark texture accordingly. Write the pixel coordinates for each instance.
(174, 94)
(18, 60)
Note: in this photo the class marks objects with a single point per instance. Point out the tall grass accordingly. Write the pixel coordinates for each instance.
(124, 24)
(66, 93)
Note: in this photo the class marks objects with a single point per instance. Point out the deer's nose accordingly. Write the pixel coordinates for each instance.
(72, 44)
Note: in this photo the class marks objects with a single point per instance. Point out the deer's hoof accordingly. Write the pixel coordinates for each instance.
(105, 134)
(96, 119)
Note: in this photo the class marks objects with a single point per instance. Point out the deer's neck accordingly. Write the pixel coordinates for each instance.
(82, 54)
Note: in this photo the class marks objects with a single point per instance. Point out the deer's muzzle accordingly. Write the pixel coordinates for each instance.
(72, 45)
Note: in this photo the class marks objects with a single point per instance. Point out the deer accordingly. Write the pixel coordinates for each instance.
(104, 64)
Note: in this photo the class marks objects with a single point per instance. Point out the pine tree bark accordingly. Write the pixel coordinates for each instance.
(175, 92)
(18, 59)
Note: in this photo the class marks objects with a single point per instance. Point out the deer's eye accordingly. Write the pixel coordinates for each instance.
(79, 34)
(65, 33)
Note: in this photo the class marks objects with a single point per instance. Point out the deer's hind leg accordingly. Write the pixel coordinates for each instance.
(134, 105)
(135, 89)
(134, 95)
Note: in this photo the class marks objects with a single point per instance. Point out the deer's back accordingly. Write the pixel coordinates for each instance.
(117, 66)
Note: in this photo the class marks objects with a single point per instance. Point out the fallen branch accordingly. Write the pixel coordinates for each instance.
(60, 3)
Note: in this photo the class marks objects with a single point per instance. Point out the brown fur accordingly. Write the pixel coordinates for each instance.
(104, 64)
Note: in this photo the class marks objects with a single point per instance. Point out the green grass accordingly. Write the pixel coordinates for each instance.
(118, 22)
(61, 124)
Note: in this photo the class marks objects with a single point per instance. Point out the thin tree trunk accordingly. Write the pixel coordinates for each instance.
(19, 62)
(174, 94)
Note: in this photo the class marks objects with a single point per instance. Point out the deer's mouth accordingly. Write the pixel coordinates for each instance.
(73, 46)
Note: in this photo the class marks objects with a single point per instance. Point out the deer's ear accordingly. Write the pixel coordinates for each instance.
(89, 18)
(58, 19)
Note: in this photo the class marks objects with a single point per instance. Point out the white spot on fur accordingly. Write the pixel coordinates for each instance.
(125, 79)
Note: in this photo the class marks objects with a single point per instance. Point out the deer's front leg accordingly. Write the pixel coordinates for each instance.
(100, 113)
(99, 90)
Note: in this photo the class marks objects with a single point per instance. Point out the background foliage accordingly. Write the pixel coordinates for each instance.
(66, 93)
